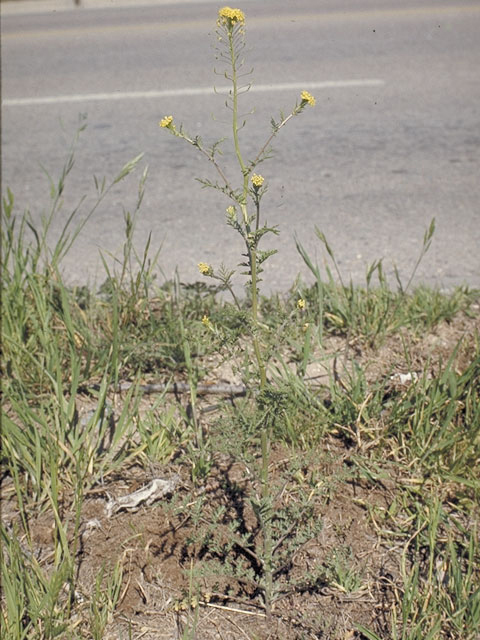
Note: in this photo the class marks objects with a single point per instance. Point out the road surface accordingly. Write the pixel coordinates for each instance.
(393, 141)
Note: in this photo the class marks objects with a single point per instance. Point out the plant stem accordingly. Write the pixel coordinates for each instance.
(197, 143)
(235, 117)
(251, 242)
(272, 135)
(267, 523)
(256, 344)
(252, 249)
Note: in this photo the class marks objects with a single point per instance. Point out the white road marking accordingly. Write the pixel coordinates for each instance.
(191, 91)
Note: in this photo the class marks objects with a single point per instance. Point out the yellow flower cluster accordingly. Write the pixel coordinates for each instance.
(206, 323)
(166, 121)
(230, 17)
(205, 269)
(301, 304)
(308, 98)
(257, 180)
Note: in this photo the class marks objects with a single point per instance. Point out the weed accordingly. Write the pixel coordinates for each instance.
(231, 42)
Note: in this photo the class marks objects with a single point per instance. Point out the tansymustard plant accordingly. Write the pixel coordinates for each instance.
(244, 215)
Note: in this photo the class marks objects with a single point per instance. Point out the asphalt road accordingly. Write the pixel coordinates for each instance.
(393, 141)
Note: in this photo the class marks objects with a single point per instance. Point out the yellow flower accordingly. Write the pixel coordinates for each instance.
(301, 303)
(206, 323)
(230, 17)
(307, 98)
(166, 122)
(205, 269)
(231, 212)
(257, 181)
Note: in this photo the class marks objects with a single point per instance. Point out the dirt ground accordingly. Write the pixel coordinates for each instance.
(161, 546)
